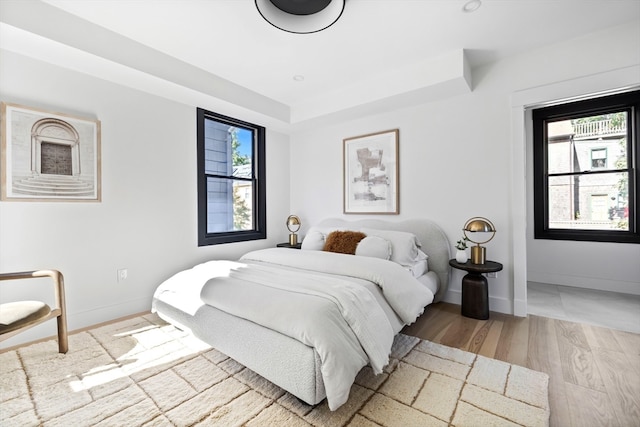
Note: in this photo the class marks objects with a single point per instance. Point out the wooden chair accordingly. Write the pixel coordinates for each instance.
(19, 316)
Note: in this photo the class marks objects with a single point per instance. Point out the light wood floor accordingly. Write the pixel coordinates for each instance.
(594, 372)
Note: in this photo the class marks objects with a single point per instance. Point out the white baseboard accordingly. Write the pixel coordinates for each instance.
(600, 284)
(107, 313)
(520, 308)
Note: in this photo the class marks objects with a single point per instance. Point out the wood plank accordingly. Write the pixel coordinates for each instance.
(578, 364)
(459, 333)
(479, 335)
(490, 344)
(590, 407)
(544, 356)
(629, 342)
(622, 384)
(571, 333)
(435, 318)
(598, 337)
(519, 350)
(514, 341)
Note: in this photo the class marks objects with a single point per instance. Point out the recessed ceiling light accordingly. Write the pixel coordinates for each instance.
(298, 77)
(300, 16)
(471, 6)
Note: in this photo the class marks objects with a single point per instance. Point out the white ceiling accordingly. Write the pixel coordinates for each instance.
(375, 43)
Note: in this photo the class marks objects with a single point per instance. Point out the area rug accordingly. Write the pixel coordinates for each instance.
(144, 372)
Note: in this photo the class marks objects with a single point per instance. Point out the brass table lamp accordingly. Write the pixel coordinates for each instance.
(293, 224)
(475, 225)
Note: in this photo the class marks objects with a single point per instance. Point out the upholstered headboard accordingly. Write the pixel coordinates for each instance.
(434, 241)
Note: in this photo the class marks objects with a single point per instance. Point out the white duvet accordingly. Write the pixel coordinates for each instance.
(289, 291)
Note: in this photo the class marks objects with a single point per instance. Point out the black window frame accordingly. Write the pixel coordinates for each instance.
(627, 101)
(258, 178)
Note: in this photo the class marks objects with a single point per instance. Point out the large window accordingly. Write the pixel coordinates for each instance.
(586, 170)
(231, 180)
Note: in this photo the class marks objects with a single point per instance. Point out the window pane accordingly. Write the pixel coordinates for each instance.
(587, 143)
(561, 156)
(242, 152)
(217, 148)
(228, 150)
(597, 201)
(242, 205)
(229, 205)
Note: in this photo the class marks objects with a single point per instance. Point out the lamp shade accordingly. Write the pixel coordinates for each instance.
(301, 16)
(479, 224)
(293, 223)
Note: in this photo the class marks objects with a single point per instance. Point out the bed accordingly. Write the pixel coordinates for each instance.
(256, 311)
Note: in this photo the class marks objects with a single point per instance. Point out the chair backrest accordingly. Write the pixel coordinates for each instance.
(21, 315)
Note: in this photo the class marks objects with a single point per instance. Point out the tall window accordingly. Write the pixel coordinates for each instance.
(586, 170)
(231, 180)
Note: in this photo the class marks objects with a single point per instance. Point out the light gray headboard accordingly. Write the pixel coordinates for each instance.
(434, 241)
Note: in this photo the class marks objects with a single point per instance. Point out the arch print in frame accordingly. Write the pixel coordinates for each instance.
(370, 173)
(49, 156)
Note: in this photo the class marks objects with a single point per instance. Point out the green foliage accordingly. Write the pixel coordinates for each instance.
(241, 212)
(621, 163)
(235, 154)
(462, 243)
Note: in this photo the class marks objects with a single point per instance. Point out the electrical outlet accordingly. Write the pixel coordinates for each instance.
(492, 275)
(122, 274)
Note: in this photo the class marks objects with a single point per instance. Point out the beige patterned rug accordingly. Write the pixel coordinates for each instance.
(143, 372)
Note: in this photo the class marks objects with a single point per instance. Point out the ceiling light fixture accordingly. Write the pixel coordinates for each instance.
(301, 16)
(471, 6)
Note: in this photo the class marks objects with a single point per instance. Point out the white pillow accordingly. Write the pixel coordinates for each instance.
(422, 256)
(374, 246)
(421, 266)
(404, 246)
(317, 236)
(313, 241)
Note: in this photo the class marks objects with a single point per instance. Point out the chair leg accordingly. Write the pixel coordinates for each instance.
(63, 339)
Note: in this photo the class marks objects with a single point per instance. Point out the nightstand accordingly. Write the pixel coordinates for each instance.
(290, 246)
(475, 288)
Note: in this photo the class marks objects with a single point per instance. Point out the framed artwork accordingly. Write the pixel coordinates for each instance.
(371, 173)
(49, 156)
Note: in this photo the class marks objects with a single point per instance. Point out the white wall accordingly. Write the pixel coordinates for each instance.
(457, 161)
(592, 265)
(146, 221)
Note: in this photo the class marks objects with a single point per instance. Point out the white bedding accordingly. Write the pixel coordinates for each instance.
(280, 288)
(399, 287)
(337, 315)
(285, 361)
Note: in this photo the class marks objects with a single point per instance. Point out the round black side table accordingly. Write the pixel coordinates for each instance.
(475, 288)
